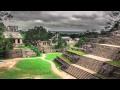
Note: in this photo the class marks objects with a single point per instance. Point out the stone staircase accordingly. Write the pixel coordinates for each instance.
(88, 66)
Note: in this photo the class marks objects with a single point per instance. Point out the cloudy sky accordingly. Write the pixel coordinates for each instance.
(59, 20)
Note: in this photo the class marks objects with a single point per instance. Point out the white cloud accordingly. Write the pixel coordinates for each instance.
(59, 20)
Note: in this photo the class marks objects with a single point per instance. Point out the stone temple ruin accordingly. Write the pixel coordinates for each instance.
(13, 31)
(94, 64)
(16, 52)
(44, 46)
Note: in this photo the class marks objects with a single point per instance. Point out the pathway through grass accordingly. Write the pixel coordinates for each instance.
(52, 56)
(30, 68)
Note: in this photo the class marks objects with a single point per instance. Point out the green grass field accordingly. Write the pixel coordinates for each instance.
(29, 68)
(77, 52)
(52, 56)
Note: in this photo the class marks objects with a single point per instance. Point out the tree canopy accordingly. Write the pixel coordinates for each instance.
(35, 34)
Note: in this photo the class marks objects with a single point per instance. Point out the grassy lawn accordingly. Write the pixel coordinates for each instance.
(30, 68)
(52, 56)
(65, 59)
(77, 52)
(114, 63)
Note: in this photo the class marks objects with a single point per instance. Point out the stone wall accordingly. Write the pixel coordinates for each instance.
(105, 51)
(71, 58)
(107, 69)
(28, 53)
(16, 53)
(19, 53)
(90, 63)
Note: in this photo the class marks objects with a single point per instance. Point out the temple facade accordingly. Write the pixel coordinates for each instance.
(13, 31)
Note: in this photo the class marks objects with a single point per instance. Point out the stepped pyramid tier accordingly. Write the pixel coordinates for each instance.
(106, 51)
(101, 60)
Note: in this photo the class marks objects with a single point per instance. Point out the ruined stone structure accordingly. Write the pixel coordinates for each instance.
(13, 31)
(94, 64)
(19, 53)
(44, 46)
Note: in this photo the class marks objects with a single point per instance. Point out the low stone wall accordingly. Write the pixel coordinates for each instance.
(19, 53)
(28, 53)
(16, 53)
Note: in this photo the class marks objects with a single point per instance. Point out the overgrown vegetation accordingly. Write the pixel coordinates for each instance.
(77, 52)
(5, 43)
(32, 48)
(52, 56)
(114, 63)
(65, 59)
(35, 34)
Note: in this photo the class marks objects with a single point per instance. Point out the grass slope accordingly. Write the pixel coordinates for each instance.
(114, 63)
(65, 59)
(77, 52)
(30, 68)
(52, 56)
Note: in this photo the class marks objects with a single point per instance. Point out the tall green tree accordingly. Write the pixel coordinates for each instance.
(35, 34)
(59, 42)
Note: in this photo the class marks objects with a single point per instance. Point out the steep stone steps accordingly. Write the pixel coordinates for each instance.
(106, 51)
(80, 72)
(90, 63)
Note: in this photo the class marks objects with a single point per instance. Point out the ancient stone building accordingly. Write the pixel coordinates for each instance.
(13, 31)
(44, 46)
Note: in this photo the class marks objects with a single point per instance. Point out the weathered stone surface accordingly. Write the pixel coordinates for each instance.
(28, 53)
(15, 53)
(19, 53)
(105, 51)
(107, 69)
(90, 63)
(71, 58)
(94, 77)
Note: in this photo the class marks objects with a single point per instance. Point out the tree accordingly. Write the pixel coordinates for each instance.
(5, 44)
(59, 42)
(5, 15)
(35, 34)
(114, 21)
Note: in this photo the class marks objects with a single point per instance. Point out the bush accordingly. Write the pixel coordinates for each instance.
(32, 48)
(35, 50)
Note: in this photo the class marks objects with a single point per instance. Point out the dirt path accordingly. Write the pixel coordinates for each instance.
(60, 73)
(9, 63)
